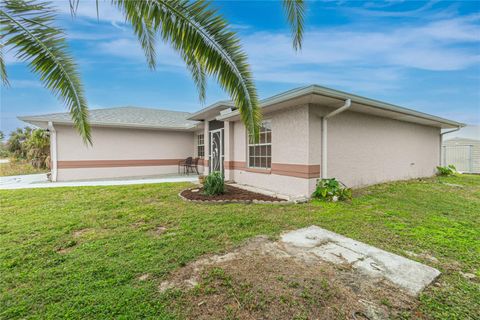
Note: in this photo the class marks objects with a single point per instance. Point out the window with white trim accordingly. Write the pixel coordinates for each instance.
(260, 154)
(201, 146)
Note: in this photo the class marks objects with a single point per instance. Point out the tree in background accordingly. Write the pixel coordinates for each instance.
(200, 35)
(3, 148)
(16, 142)
(38, 148)
(32, 145)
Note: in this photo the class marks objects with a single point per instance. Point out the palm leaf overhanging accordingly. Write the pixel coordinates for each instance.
(27, 27)
(197, 32)
(205, 42)
(295, 12)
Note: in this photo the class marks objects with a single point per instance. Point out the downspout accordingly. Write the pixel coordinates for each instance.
(441, 144)
(53, 150)
(345, 106)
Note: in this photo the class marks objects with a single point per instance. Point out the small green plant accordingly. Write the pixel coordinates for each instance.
(214, 184)
(447, 170)
(331, 190)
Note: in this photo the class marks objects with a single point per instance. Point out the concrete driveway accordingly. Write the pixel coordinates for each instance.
(31, 181)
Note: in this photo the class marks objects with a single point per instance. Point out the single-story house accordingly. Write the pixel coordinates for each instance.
(307, 133)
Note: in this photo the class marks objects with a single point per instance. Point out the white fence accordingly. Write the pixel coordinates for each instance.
(461, 156)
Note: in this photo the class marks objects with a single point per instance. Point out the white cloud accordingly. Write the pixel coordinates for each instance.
(370, 9)
(373, 58)
(129, 48)
(88, 9)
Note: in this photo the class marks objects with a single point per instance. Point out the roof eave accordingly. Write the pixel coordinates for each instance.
(315, 89)
(36, 122)
(207, 112)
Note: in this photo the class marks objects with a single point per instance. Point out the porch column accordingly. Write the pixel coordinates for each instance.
(206, 139)
(228, 149)
(53, 151)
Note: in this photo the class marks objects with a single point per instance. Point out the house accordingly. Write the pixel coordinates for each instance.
(307, 133)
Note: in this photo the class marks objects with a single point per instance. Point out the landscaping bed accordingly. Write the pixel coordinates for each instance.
(231, 194)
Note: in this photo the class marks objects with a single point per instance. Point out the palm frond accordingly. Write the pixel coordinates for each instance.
(136, 12)
(28, 28)
(208, 47)
(295, 12)
(3, 67)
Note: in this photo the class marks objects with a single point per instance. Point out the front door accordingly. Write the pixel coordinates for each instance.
(216, 150)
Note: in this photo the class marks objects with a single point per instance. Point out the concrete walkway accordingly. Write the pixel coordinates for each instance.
(409, 275)
(31, 181)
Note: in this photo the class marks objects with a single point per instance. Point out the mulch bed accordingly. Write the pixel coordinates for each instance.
(232, 194)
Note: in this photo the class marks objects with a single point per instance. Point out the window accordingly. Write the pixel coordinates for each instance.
(260, 154)
(200, 146)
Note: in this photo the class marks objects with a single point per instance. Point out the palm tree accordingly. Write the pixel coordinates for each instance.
(200, 35)
(38, 148)
(16, 143)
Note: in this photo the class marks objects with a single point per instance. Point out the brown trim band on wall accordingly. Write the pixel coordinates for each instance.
(71, 164)
(296, 170)
(282, 169)
(231, 165)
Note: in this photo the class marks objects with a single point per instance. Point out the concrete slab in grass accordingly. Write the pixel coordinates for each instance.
(409, 275)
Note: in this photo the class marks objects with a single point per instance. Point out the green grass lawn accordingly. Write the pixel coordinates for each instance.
(18, 167)
(50, 269)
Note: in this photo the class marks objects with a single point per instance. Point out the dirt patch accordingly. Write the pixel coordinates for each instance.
(138, 224)
(231, 194)
(79, 233)
(159, 230)
(261, 280)
(78, 237)
(423, 255)
(144, 277)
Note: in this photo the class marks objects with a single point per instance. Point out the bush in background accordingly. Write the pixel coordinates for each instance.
(214, 184)
(447, 170)
(331, 190)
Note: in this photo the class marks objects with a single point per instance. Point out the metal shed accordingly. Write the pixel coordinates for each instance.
(463, 153)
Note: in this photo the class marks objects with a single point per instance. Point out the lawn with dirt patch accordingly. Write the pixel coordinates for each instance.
(102, 252)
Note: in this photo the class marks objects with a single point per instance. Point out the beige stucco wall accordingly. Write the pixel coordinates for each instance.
(283, 185)
(365, 149)
(362, 149)
(121, 144)
(289, 146)
(289, 137)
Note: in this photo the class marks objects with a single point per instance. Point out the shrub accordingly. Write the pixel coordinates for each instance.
(331, 190)
(214, 184)
(446, 171)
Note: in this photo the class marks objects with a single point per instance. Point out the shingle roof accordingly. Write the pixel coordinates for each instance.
(125, 116)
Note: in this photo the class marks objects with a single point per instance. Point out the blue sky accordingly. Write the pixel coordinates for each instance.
(421, 55)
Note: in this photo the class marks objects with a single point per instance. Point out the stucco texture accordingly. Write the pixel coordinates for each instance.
(362, 149)
(365, 149)
(113, 145)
